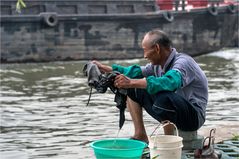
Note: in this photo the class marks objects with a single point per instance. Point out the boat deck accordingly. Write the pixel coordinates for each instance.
(228, 148)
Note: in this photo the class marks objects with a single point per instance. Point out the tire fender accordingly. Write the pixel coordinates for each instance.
(168, 16)
(231, 8)
(50, 19)
(213, 10)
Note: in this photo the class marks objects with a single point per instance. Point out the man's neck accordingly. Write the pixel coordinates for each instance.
(165, 58)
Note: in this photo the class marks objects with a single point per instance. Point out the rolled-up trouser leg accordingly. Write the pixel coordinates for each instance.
(167, 106)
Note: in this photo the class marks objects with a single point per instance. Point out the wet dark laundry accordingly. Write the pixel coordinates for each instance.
(101, 82)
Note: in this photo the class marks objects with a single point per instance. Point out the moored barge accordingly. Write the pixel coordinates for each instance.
(50, 30)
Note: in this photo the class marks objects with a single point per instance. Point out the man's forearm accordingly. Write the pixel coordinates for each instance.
(106, 68)
(138, 83)
(102, 67)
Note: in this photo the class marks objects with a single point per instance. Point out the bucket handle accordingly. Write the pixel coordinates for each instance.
(167, 122)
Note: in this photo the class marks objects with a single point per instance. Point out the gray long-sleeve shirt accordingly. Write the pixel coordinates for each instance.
(194, 82)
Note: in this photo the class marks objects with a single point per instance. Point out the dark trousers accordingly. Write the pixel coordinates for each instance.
(167, 106)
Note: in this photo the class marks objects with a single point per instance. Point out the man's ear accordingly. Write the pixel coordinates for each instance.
(157, 48)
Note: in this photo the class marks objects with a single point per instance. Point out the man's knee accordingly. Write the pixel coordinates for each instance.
(132, 94)
(139, 96)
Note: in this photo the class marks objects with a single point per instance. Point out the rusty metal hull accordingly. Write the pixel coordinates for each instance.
(50, 36)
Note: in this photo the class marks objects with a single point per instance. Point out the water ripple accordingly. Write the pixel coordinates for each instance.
(44, 112)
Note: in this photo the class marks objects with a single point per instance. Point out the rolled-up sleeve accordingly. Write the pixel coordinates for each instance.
(171, 81)
(133, 71)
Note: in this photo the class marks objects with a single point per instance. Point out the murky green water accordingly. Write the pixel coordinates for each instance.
(44, 112)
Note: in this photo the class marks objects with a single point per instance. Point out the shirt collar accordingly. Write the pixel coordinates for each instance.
(170, 58)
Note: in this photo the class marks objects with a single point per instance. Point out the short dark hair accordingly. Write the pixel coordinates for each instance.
(159, 37)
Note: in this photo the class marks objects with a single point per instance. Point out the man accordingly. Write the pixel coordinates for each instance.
(171, 87)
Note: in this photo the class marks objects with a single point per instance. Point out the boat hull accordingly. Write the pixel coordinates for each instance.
(52, 37)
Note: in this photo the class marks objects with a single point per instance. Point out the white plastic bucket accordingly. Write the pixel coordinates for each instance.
(166, 153)
(165, 146)
(165, 141)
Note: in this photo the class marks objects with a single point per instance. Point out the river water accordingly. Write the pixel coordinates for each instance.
(44, 112)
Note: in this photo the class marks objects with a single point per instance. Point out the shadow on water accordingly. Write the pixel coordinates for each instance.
(44, 112)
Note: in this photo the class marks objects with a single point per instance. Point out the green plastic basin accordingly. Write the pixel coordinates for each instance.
(118, 148)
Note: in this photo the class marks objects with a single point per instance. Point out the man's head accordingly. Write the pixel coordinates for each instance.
(157, 47)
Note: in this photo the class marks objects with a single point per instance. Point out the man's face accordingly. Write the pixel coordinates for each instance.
(151, 52)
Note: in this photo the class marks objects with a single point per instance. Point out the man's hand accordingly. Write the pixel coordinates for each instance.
(121, 81)
(103, 68)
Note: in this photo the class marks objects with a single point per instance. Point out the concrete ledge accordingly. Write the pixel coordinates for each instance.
(191, 140)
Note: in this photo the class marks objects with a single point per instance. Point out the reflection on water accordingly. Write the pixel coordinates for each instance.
(44, 112)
